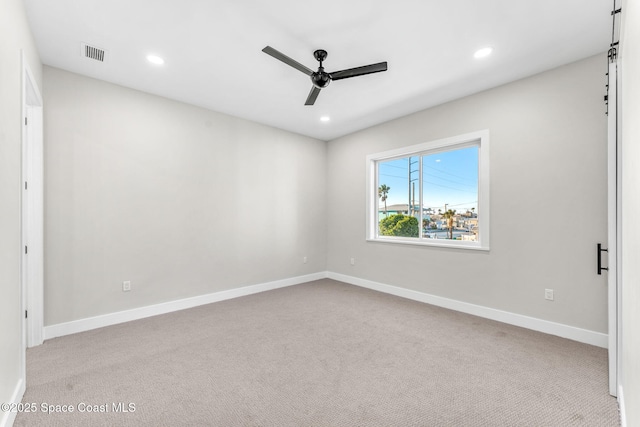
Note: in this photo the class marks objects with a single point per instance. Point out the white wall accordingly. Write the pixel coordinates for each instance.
(14, 36)
(179, 200)
(630, 107)
(548, 167)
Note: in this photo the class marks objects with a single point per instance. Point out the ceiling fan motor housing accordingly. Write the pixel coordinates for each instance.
(320, 79)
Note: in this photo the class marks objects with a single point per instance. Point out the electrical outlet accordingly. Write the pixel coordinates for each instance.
(548, 294)
(353, 261)
(126, 286)
(304, 260)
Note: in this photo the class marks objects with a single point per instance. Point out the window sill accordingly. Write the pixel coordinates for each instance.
(432, 242)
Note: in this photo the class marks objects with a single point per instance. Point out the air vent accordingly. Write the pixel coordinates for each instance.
(92, 52)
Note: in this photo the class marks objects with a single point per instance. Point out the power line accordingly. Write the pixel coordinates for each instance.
(430, 182)
(475, 184)
(430, 167)
(450, 188)
(393, 176)
(447, 173)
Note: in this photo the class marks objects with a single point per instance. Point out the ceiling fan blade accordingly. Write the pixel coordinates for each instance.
(284, 58)
(359, 71)
(312, 95)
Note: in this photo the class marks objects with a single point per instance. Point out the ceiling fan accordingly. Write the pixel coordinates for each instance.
(321, 78)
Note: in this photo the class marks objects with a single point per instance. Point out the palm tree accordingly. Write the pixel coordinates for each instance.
(473, 211)
(383, 190)
(449, 215)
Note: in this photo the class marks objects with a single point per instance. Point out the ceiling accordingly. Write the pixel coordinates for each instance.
(213, 58)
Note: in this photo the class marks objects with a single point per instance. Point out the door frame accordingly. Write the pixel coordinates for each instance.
(614, 237)
(32, 212)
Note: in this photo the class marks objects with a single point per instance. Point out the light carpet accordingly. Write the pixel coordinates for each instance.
(319, 354)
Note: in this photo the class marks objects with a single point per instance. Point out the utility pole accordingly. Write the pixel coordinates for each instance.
(409, 182)
(413, 196)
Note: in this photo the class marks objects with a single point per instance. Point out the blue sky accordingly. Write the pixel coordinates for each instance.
(449, 177)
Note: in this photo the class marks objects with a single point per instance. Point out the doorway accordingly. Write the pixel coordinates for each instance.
(32, 212)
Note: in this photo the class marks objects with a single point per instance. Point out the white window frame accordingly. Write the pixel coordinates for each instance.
(479, 139)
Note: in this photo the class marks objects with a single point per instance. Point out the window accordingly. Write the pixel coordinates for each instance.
(435, 193)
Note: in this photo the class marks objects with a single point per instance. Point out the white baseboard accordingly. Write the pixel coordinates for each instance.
(577, 334)
(89, 323)
(621, 406)
(7, 418)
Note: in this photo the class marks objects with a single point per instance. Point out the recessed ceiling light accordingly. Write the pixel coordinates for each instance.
(156, 60)
(325, 118)
(483, 53)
